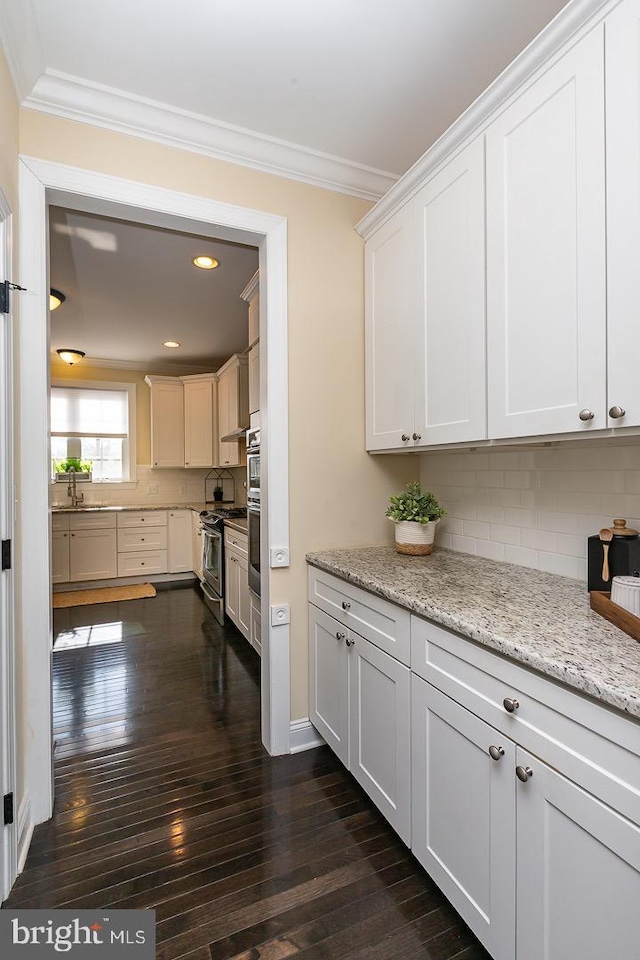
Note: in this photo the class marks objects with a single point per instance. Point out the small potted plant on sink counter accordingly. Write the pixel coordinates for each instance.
(82, 469)
(415, 514)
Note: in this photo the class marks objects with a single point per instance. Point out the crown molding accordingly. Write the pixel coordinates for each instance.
(73, 98)
(20, 41)
(574, 20)
(159, 369)
(251, 287)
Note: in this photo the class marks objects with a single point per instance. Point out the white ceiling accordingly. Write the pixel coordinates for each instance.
(369, 82)
(130, 287)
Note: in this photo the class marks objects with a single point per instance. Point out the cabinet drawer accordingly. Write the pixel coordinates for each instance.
(148, 538)
(134, 564)
(92, 521)
(59, 521)
(381, 622)
(592, 745)
(238, 542)
(145, 518)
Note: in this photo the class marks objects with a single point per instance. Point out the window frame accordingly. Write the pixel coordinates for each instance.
(130, 446)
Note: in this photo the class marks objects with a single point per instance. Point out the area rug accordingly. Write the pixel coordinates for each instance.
(78, 598)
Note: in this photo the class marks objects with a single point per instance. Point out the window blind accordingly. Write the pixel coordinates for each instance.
(79, 412)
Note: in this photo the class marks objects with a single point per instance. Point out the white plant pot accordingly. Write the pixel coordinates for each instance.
(413, 538)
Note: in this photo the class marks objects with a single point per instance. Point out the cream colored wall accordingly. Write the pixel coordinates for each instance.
(338, 493)
(61, 371)
(9, 185)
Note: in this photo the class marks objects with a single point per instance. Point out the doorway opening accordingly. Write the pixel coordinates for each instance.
(43, 184)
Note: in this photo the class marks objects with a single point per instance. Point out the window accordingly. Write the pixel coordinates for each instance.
(93, 423)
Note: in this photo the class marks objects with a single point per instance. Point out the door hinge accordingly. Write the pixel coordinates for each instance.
(5, 298)
(8, 809)
(6, 554)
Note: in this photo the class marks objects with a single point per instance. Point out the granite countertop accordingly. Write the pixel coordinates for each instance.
(238, 523)
(90, 508)
(539, 619)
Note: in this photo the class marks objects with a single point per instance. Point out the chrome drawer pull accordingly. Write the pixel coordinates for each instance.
(346, 605)
(524, 773)
(496, 752)
(510, 704)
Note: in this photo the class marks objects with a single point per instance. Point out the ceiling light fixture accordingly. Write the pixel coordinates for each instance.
(55, 299)
(70, 356)
(171, 343)
(206, 263)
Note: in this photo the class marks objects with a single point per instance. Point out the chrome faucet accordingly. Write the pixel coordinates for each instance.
(72, 492)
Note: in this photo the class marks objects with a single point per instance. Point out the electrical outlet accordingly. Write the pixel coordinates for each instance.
(152, 488)
(182, 489)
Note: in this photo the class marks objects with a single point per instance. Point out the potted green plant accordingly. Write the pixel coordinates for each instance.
(218, 493)
(62, 467)
(415, 513)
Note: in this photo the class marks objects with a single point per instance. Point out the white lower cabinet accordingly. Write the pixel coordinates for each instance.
(237, 601)
(255, 625)
(196, 545)
(92, 554)
(60, 556)
(360, 705)
(464, 814)
(179, 541)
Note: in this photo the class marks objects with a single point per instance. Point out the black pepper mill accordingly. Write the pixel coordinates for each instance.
(624, 556)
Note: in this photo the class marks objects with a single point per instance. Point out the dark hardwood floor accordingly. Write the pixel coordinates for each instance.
(166, 799)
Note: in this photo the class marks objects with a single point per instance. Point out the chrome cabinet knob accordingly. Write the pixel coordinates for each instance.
(350, 641)
(416, 436)
(496, 752)
(346, 605)
(586, 415)
(340, 635)
(405, 437)
(524, 773)
(616, 412)
(510, 705)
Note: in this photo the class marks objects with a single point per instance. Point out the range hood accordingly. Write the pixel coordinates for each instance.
(239, 434)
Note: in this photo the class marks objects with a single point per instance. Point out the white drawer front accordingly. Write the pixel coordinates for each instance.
(149, 538)
(236, 541)
(381, 622)
(136, 564)
(144, 518)
(59, 521)
(593, 746)
(92, 521)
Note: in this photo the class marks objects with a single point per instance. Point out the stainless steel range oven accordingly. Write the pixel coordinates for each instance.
(212, 522)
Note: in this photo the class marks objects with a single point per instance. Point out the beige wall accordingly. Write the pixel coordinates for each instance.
(338, 493)
(62, 371)
(9, 186)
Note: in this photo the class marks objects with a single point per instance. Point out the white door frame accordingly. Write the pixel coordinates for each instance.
(43, 183)
(8, 833)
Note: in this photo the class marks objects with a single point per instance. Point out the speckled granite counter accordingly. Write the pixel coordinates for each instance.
(129, 506)
(237, 523)
(538, 619)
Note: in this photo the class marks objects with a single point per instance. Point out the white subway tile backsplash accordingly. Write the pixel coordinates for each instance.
(536, 507)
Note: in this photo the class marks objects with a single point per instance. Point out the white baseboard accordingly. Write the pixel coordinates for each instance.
(25, 830)
(304, 736)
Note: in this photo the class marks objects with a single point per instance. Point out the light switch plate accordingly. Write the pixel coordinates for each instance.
(279, 557)
(280, 614)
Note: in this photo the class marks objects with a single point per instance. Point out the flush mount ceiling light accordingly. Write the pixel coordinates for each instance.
(206, 263)
(55, 300)
(171, 343)
(70, 356)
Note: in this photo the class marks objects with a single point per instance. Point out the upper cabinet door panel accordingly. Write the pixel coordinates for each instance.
(450, 385)
(622, 31)
(392, 322)
(546, 251)
(198, 423)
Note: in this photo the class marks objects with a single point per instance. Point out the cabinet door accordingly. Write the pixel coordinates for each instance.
(463, 813)
(254, 378)
(255, 633)
(380, 732)
(167, 424)
(392, 331)
(622, 31)
(92, 555)
(578, 872)
(60, 556)
(198, 423)
(244, 599)
(546, 251)
(228, 452)
(231, 587)
(180, 553)
(329, 681)
(450, 386)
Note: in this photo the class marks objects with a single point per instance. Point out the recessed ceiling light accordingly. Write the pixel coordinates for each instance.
(55, 299)
(206, 263)
(171, 343)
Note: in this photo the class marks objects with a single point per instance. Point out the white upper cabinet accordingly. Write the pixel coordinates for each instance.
(167, 421)
(391, 328)
(199, 423)
(546, 251)
(623, 212)
(450, 395)
(233, 410)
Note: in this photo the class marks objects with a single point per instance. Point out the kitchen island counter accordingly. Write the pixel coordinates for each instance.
(538, 619)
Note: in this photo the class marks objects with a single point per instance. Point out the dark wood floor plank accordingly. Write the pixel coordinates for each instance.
(166, 799)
